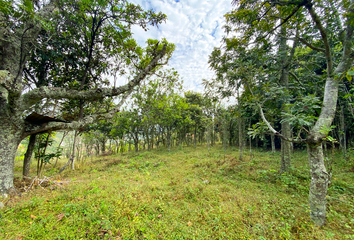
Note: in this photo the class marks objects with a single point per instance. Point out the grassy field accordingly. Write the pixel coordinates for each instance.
(185, 194)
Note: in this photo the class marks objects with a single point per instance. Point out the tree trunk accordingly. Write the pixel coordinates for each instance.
(285, 60)
(73, 153)
(136, 145)
(28, 155)
(169, 140)
(209, 136)
(61, 141)
(195, 136)
(9, 140)
(103, 145)
(272, 137)
(319, 184)
(285, 162)
(148, 140)
(342, 134)
(240, 138)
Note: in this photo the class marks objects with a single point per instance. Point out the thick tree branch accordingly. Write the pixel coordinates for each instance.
(310, 45)
(32, 97)
(282, 22)
(7, 81)
(324, 36)
(76, 125)
(296, 78)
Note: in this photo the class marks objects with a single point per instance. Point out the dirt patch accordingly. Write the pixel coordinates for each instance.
(26, 184)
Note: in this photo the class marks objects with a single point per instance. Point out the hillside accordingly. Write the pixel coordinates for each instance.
(185, 194)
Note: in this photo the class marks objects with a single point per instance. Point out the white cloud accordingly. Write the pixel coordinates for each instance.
(195, 27)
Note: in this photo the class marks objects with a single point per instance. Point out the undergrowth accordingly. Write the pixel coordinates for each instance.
(183, 194)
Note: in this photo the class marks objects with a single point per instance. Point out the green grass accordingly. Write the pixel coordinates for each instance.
(185, 194)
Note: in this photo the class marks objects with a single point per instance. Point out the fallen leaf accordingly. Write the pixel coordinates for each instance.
(190, 224)
(159, 215)
(60, 216)
(33, 217)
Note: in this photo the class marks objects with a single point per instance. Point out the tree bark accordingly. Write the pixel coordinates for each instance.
(195, 136)
(342, 133)
(168, 139)
(272, 137)
(319, 184)
(9, 140)
(285, 60)
(136, 145)
(28, 155)
(240, 138)
(73, 153)
(285, 162)
(61, 141)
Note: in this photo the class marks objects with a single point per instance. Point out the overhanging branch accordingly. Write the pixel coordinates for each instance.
(311, 46)
(32, 97)
(275, 132)
(76, 125)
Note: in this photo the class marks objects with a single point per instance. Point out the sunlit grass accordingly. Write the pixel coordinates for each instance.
(183, 194)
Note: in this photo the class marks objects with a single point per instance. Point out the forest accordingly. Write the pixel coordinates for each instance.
(265, 151)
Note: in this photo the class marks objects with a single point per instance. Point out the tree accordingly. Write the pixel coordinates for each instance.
(325, 18)
(21, 24)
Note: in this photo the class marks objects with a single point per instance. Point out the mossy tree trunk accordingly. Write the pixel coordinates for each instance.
(319, 183)
(9, 140)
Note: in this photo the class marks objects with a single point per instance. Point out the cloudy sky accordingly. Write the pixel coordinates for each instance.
(195, 27)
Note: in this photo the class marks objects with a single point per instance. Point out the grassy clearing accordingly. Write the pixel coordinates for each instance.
(185, 194)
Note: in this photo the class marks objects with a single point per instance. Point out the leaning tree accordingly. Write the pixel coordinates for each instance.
(105, 36)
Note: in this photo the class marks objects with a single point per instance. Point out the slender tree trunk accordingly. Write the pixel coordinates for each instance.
(319, 184)
(103, 145)
(212, 133)
(73, 153)
(209, 136)
(272, 137)
(97, 148)
(28, 155)
(41, 162)
(136, 144)
(285, 61)
(342, 134)
(169, 140)
(61, 141)
(72, 157)
(285, 163)
(240, 138)
(195, 136)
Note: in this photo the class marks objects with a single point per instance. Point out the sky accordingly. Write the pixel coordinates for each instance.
(195, 27)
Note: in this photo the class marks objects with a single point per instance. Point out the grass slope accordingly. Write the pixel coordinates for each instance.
(185, 194)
